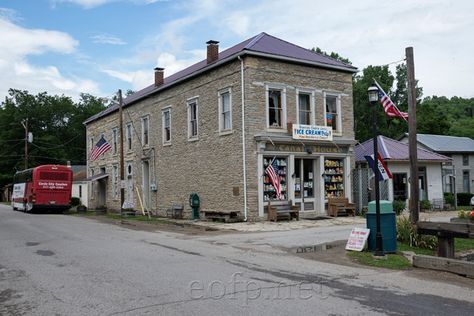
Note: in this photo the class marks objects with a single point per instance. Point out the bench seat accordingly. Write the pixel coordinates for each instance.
(286, 211)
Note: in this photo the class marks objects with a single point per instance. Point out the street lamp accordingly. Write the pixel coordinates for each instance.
(373, 92)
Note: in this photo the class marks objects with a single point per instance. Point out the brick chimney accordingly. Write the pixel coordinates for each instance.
(159, 72)
(212, 51)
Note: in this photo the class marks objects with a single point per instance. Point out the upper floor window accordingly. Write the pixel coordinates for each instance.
(225, 110)
(145, 130)
(276, 108)
(192, 118)
(128, 136)
(91, 145)
(114, 140)
(332, 112)
(305, 108)
(166, 120)
(465, 160)
(115, 182)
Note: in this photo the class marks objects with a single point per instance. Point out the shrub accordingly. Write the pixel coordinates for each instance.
(449, 198)
(464, 198)
(398, 206)
(425, 205)
(462, 214)
(75, 201)
(407, 234)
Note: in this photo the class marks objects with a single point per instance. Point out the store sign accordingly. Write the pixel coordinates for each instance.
(312, 132)
(357, 239)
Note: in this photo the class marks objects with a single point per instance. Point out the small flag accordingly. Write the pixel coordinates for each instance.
(101, 147)
(272, 172)
(384, 173)
(389, 107)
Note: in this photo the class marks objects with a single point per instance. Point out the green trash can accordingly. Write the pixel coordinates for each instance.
(388, 226)
(194, 202)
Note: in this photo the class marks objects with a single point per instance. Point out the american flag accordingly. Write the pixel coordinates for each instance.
(389, 107)
(101, 147)
(272, 172)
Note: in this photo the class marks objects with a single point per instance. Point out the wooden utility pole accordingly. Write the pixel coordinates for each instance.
(25, 126)
(414, 188)
(122, 163)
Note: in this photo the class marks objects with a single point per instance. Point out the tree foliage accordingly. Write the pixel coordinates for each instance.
(56, 123)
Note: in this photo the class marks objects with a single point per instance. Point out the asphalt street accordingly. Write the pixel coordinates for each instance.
(66, 265)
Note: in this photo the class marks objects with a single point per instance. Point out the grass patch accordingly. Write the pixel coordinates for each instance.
(393, 261)
(418, 251)
(464, 208)
(463, 244)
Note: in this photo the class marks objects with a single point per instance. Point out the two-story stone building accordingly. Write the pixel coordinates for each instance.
(213, 127)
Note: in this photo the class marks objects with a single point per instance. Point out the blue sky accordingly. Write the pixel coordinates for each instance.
(100, 46)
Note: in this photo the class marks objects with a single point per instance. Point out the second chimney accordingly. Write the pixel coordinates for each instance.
(159, 72)
(212, 51)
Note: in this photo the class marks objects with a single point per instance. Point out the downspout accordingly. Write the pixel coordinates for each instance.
(244, 162)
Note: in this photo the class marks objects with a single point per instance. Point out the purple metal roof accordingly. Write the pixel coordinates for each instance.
(259, 44)
(391, 149)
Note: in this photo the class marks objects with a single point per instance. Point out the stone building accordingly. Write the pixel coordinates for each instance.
(213, 127)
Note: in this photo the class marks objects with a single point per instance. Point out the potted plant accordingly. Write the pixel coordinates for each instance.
(425, 205)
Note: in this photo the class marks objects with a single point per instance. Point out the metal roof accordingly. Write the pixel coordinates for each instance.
(260, 45)
(391, 149)
(446, 144)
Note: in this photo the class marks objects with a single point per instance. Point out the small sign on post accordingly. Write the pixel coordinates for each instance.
(357, 239)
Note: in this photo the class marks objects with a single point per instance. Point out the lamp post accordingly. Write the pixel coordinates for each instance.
(373, 92)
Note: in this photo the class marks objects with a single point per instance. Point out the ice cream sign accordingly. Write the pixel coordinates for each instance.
(52, 185)
(312, 132)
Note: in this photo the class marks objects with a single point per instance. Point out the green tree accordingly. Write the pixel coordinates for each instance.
(332, 55)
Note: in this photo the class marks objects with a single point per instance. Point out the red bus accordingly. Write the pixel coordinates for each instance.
(46, 187)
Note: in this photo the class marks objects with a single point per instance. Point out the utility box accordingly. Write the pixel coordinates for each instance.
(195, 202)
(388, 226)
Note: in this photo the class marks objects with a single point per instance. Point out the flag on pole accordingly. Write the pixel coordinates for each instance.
(389, 107)
(272, 172)
(101, 147)
(384, 173)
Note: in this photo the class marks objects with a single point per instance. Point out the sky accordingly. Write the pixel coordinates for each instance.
(99, 46)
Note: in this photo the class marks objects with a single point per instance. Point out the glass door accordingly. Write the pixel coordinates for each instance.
(304, 184)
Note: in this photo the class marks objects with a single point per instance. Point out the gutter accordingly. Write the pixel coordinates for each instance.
(244, 162)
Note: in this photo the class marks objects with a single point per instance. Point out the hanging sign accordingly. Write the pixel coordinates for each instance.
(357, 239)
(312, 132)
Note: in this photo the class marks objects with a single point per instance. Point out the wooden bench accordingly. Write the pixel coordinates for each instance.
(340, 206)
(446, 232)
(286, 210)
(221, 215)
(175, 211)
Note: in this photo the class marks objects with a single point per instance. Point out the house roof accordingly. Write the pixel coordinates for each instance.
(260, 45)
(446, 144)
(394, 150)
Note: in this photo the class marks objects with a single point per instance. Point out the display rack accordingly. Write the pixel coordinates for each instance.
(333, 178)
(269, 193)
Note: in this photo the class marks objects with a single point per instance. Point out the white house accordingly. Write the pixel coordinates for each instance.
(79, 184)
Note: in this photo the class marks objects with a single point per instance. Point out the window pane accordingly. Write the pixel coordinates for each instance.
(226, 120)
(225, 102)
(274, 108)
(331, 112)
(304, 109)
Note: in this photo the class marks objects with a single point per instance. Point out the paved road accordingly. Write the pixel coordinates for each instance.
(64, 265)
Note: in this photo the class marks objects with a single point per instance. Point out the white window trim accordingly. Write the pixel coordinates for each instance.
(129, 136)
(311, 101)
(145, 117)
(283, 128)
(188, 103)
(223, 131)
(337, 132)
(115, 143)
(164, 141)
(115, 184)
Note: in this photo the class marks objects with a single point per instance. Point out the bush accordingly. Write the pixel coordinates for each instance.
(407, 234)
(398, 206)
(464, 198)
(462, 214)
(425, 205)
(449, 198)
(75, 201)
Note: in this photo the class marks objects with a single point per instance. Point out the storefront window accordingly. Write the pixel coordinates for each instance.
(274, 176)
(334, 178)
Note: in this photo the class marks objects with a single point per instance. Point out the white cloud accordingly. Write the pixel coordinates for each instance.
(89, 4)
(107, 39)
(17, 43)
